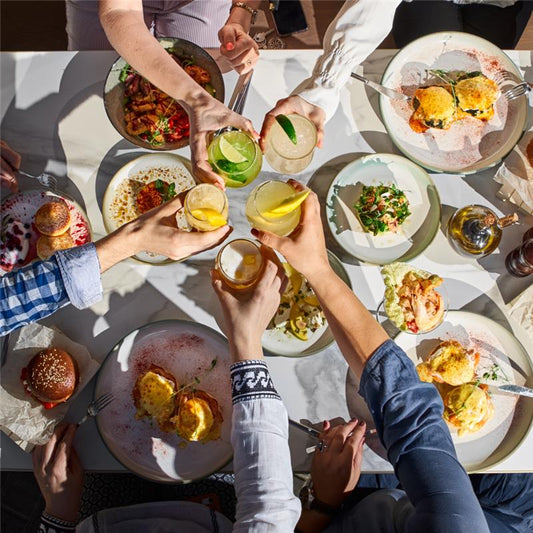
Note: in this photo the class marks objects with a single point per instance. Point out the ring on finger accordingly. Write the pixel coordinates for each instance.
(321, 445)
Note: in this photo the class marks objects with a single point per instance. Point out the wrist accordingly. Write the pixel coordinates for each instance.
(317, 273)
(195, 97)
(59, 512)
(243, 348)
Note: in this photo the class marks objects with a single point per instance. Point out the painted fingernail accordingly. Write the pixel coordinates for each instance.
(230, 46)
(324, 424)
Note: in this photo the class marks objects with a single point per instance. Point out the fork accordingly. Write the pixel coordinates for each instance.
(97, 405)
(516, 91)
(389, 93)
(47, 180)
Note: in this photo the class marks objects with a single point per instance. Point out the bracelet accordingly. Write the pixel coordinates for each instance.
(250, 10)
(323, 508)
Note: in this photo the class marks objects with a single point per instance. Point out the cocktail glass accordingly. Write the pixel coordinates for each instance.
(206, 207)
(236, 157)
(240, 263)
(266, 197)
(283, 154)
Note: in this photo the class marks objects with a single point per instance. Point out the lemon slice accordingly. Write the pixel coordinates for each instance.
(288, 127)
(297, 323)
(214, 218)
(288, 205)
(230, 152)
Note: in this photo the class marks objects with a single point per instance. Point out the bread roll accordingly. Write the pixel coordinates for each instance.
(48, 246)
(53, 218)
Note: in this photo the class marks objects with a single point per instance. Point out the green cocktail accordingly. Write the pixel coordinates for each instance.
(236, 157)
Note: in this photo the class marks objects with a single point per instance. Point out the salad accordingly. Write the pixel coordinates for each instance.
(151, 114)
(382, 208)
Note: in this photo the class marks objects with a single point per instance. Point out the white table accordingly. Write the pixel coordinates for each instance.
(52, 112)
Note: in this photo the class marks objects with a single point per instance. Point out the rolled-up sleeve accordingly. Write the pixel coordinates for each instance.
(263, 473)
(408, 418)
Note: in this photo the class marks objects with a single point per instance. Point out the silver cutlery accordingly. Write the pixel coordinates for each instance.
(516, 389)
(516, 91)
(389, 93)
(97, 405)
(47, 180)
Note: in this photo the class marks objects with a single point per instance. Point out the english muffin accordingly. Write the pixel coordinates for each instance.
(53, 218)
(48, 246)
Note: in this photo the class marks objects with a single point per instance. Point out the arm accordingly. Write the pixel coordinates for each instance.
(263, 474)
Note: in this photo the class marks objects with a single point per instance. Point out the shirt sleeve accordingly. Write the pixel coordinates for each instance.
(408, 417)
(41, 288)
(263, 473)
(351, 37)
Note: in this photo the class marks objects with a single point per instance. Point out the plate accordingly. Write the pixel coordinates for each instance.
(415, 234)
(277, 342)
(470, 145)
(23, 205)
(185, 349)
(495, 344)
(114, 90)
(119, 198)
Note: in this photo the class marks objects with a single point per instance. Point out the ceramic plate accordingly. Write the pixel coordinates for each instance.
(470, 145)
(414, 235)
(186, 350)
(119, 204)
(22, 207)
(496, 345)
(278, 342)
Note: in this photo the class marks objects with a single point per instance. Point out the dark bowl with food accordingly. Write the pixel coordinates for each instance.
(148, 117)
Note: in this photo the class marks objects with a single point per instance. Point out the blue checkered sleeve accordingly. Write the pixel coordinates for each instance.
(41, 288)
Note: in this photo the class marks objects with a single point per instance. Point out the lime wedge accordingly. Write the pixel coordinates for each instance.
(288, 128)
(288, 205)
(214, 218)
(230, 152)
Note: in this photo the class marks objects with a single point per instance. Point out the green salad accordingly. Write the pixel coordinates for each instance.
(382, 208)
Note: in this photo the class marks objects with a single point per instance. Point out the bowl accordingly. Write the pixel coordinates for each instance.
(114, 90)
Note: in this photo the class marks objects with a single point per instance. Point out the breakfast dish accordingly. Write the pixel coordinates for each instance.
(51, 377)
(20, 239)
(171, 417)
(411, 301)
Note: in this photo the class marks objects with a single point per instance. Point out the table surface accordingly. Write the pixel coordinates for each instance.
(53, 114)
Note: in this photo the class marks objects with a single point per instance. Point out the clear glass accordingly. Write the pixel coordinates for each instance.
(241, 173)
(240, 263)
(263, 198)
(202, 197)
(285, 156)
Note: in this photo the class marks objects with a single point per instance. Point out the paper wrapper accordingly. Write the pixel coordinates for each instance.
(22, 418)
(516, 175)
(521, 310)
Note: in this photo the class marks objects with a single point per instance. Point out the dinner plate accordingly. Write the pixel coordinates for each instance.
(186, 350)
(469, 145)
(22, 207)
(496, 345)
(278, 342)
(119, 205)
(414, 235)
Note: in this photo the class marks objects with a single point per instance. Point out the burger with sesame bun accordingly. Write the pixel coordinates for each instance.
(50, 377)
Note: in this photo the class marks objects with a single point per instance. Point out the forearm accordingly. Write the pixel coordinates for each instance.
(356, 331)
(241, 16)
(312, 521)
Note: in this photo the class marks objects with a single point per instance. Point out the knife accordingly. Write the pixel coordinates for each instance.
(303, 427)
(389, 93)
(238, 98)
(516, 389)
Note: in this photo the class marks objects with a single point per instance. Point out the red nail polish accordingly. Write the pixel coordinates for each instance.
(230, 46)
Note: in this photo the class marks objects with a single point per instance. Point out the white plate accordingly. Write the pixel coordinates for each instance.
(278, 342)
(470, 145)
(119, 197)
(495, 344)
(184, 349)
(415, 234)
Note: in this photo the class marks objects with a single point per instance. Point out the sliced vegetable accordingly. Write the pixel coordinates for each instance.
(287, 126)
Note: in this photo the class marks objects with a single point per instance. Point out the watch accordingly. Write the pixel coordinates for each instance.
(243, 5)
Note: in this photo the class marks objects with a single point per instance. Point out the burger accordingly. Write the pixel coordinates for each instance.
(51, 377)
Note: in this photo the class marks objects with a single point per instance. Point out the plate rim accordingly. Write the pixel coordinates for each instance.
(400, 159)
(97, 380)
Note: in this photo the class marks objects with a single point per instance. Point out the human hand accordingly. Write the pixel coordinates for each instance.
(248, 313)
(238, 47)
(59, 473)
(336, 469)
(305, 247)
(10, 163)
(288, 106)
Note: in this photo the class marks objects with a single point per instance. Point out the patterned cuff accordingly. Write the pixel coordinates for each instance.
(251, 380)
(51, 524)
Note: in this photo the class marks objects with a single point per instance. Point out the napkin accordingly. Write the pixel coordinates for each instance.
(521, 310)
(516, 175)
(22, 418)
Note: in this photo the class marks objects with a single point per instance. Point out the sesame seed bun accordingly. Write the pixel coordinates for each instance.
(52, 376)
(53, 219)
(48, 246)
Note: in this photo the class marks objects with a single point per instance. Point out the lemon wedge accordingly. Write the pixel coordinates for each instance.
(214, 218)
(288, 205)
(297, 323)
(230, 152)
